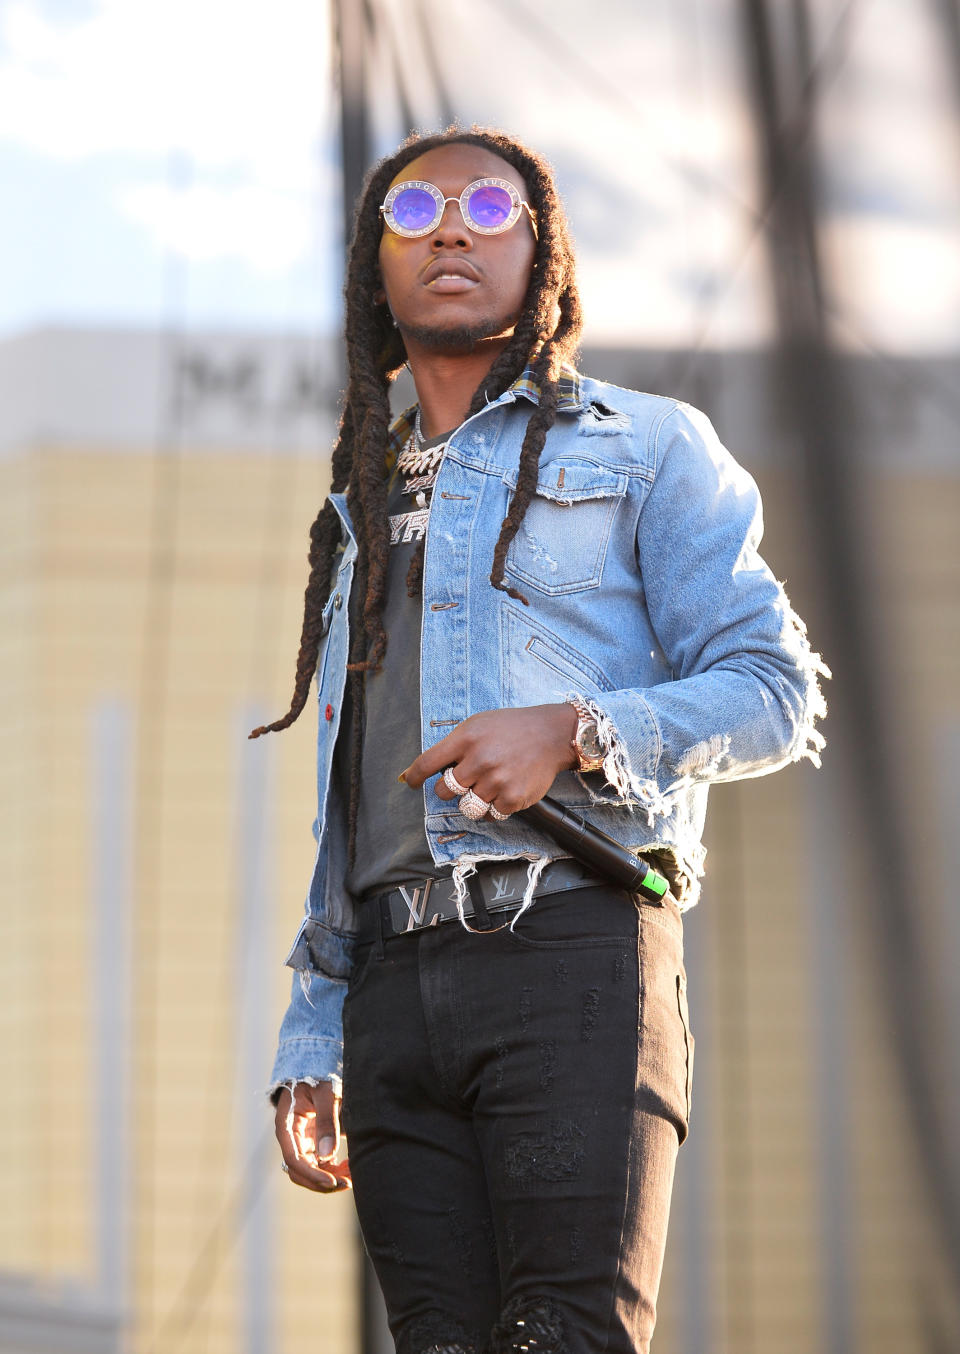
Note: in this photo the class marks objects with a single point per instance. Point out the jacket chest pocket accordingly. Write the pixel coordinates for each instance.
(562, 541)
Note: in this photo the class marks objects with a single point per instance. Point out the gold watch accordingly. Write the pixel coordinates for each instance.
(586, 740)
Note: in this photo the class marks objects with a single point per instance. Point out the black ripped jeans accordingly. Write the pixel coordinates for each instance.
(514, 1102)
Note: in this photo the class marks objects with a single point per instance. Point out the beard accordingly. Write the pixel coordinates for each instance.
(459, 338)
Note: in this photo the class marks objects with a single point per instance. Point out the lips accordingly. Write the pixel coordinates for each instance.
(450, 275)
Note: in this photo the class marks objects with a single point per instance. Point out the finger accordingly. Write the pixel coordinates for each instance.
(295, 1133)
(326, 1180)
(445, 791)
(297, 1118)
(485, 787)
(304, 1134)
(327, 1120)
(310, 1163)
(442, 754)
(341, 1173)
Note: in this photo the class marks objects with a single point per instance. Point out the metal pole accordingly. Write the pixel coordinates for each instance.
(353, 25)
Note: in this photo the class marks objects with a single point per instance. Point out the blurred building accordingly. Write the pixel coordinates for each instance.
(156, 501)
(155, 495)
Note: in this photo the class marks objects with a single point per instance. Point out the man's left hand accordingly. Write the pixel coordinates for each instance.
(509, 758)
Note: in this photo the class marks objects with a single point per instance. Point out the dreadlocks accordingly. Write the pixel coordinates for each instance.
(546, 335)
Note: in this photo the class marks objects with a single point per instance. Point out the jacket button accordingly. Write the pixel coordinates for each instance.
(328, 713)
(338, 601)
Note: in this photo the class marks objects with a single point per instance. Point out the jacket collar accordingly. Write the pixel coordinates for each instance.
(570, 399)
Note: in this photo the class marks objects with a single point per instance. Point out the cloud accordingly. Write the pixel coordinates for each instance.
(229, 81)
(268, 229)
(235, 90)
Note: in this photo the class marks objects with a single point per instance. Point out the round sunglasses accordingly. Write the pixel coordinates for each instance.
(488, 206)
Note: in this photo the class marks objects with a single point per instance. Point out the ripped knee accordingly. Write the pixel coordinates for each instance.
(437, 1333)
(528, 1324)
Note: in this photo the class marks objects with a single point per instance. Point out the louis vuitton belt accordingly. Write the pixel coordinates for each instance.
(497, 887)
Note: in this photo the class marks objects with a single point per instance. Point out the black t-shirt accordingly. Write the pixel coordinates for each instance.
(391, 841)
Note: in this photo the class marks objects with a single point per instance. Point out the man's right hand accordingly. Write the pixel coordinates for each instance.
(309, 1137)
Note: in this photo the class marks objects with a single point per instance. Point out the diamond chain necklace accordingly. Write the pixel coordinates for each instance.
(415, 459)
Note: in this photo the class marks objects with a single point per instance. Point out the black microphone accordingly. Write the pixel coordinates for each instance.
(594, 848)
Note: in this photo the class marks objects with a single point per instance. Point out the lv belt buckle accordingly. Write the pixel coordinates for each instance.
(416, 905)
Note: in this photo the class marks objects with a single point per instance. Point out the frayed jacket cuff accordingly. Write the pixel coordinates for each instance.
(630, 742)
(310, 1047)
(307, 1060)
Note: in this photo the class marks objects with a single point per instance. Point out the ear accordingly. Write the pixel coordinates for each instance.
(379, 297)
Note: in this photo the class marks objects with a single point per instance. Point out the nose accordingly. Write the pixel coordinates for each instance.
(451, 232)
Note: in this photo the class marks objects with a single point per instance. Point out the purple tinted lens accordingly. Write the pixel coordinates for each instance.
(414, 209)
(489, 206)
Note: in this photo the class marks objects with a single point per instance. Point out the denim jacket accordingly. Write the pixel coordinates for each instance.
(647, 598)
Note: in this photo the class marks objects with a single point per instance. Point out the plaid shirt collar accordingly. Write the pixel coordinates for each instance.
(570, 399)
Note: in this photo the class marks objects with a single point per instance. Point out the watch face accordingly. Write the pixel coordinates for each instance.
(589, 746)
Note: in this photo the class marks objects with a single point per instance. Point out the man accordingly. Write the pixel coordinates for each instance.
(542, 584)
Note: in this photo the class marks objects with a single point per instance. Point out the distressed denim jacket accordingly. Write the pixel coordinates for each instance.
(647, 598)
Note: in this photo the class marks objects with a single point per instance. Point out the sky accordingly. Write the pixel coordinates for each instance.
(175, 161)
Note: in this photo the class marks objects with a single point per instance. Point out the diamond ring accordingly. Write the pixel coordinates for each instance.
(472, 806)
(451, 782)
